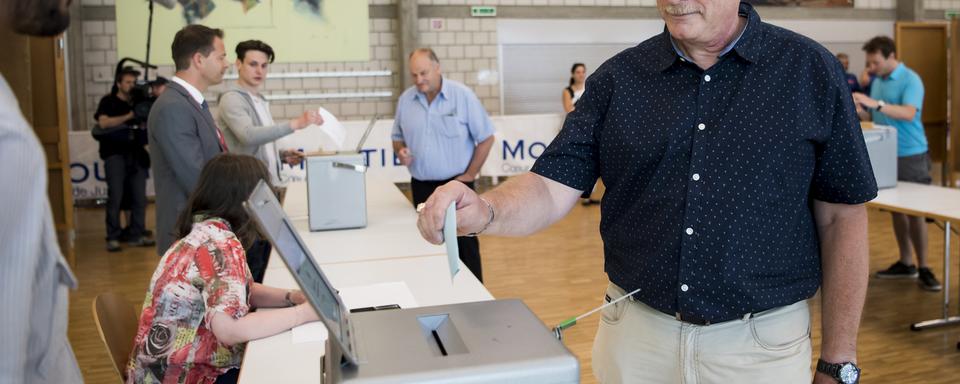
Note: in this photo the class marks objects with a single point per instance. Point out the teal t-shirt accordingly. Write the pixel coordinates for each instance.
(902, 87)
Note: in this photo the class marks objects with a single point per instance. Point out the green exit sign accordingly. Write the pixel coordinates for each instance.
(951, 14)
(483, 11)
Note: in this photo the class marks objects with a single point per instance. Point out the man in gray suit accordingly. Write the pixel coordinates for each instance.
(182, 132)
(34, 277)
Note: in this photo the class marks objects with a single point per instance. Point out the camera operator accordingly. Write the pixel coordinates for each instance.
(122, 136)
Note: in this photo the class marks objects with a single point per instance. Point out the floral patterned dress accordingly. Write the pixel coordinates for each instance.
(202, 274)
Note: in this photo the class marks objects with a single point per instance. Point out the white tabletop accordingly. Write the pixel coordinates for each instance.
(390, 249)
(391, 227)
(277, 360)
(935, 202)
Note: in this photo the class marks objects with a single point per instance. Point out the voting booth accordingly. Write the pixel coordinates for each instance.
(882, 148)
(493, 341)
(337, 187)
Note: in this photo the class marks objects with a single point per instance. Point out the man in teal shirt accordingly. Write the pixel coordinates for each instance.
(896, 99)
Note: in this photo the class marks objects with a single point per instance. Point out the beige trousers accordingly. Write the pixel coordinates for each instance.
(638, 344)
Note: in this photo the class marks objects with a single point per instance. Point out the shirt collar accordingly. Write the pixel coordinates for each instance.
(443, 90)
(744, 45)
(193, 91)
(896, 72)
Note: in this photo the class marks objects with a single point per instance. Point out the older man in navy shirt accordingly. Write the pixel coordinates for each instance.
(733, 193)
(442, 133)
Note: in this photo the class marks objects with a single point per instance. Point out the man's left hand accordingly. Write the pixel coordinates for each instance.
(465, 178)
(864, 100)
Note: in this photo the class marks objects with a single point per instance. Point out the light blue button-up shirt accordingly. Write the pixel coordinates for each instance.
(902, 87)
(441, 135)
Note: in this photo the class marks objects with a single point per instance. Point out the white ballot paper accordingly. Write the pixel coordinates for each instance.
(333, 134)
(450, 239)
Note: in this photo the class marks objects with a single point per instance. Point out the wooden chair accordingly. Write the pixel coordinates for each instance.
(116, 321)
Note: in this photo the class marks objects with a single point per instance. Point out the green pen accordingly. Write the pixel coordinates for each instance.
(558, 331)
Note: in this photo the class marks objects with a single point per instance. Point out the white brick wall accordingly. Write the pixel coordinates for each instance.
(577, 3)
(875, 4)
(942, 4)
(100, 58)
(465, 48)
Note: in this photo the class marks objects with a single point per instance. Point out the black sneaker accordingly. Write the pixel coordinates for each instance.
(142, 242)
(898, 271)
(928, 281)
(113, 246)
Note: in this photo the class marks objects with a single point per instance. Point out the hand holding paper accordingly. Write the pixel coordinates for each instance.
(450, 239)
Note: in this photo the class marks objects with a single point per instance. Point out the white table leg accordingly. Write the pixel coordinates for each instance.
(946, 319)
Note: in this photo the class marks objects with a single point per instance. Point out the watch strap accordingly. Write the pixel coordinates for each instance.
(830, 369)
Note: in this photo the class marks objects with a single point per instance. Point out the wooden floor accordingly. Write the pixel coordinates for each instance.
(559, 273)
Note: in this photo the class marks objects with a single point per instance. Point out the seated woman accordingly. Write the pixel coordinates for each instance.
(196, 316)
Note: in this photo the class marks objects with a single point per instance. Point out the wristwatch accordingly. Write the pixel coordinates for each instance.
(880, 105)
(844, 373)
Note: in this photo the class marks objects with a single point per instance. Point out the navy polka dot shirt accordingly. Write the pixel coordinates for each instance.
(711, 175)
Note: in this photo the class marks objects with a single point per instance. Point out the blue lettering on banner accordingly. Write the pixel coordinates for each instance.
(542, 146)
(81, 167)
(366, 155)
(96, 172)
(513, 152)
(523, 150)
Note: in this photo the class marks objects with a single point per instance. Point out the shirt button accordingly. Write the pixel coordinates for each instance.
(684, 288)
(706, 78)
(690, 231)
(701, 126)
(696, 177)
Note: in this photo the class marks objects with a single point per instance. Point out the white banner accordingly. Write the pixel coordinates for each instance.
(520, 140)
(86, 168)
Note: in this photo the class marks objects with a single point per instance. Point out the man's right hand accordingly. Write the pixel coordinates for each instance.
(405, 157)
(307, 119)
(472, 213)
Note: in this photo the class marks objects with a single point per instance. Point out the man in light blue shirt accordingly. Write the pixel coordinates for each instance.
(896, 99)
(441, 133)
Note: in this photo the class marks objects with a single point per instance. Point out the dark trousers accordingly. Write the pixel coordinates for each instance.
(469, 246)
(125, 176)
(257, 256)
(229, 377)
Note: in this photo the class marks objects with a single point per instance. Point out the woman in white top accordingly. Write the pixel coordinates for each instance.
(572, 93)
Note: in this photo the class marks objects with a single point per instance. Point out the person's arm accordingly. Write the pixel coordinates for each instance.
(262, 296)
(522, 205)
(21, 244)
(235, 114)
(109, 122)
(480, 154)
(897, 112)
(864, 79)
(844, 257)
(403, 153)
(862, 112)
(567, 102)
(260, 324)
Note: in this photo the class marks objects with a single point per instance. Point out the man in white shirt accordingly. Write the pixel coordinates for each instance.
(181, 130)
(244, 114)
(34, 276)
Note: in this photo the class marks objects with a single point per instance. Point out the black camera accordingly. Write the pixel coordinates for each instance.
(141, 96)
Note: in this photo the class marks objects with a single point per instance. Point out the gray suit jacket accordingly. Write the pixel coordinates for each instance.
(34, 277)
(183, 138)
